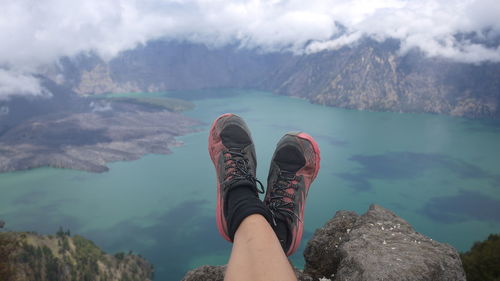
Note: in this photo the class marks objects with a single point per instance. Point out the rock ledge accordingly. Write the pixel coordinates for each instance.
(377, 245)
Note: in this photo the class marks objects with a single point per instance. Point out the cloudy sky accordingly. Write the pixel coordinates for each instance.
(38, 32)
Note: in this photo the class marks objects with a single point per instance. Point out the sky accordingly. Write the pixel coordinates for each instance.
(34, 33)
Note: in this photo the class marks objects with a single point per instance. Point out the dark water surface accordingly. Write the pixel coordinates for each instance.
(440, 173)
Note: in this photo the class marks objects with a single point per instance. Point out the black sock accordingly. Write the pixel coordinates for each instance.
(283, 233)
(241, 203)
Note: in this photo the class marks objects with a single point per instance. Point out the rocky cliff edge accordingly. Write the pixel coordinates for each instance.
(377, 245)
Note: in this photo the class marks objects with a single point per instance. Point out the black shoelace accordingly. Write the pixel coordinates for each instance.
(278, 206)
(237, 169)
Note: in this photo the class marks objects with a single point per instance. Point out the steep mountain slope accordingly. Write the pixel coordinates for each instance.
(372, 76)
(369, 75)
(160, 66)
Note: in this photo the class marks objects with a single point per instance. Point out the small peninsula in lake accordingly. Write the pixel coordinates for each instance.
(86, 133)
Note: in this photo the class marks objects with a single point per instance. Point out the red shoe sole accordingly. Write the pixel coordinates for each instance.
(219, 214)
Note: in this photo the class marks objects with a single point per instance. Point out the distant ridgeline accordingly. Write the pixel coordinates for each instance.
(29, 256)
(368, 75)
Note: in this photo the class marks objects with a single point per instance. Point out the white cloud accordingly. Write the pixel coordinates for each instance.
(429, 25)
(34, 33)
(12, 82)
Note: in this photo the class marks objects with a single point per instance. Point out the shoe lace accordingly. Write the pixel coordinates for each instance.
(281, 203)
(237, 168)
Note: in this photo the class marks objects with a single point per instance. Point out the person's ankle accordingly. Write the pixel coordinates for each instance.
(241, 205)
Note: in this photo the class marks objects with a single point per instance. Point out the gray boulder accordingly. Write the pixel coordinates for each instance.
(377, 245)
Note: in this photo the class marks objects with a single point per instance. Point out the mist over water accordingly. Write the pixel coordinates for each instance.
(440, 173)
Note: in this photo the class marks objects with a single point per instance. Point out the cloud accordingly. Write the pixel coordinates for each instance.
(450, 29)
(12, 82)
(34, 33)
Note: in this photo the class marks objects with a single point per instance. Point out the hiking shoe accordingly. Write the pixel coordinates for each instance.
(294, 166)
(232, 151)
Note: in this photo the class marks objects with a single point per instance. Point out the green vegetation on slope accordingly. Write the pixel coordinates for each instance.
(28, 256)
(482, 261)
(7, 247)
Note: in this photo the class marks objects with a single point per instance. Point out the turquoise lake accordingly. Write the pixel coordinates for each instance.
(440, 173)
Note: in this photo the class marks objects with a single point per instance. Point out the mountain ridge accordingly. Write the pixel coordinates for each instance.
(368, 75)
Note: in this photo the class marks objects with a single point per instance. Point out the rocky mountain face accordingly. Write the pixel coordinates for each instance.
(369, 75)
(377, 245)
(373, 76)
(29, 256)
(160, 66)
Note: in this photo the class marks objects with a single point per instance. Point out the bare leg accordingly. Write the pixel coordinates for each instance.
(257, 254)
